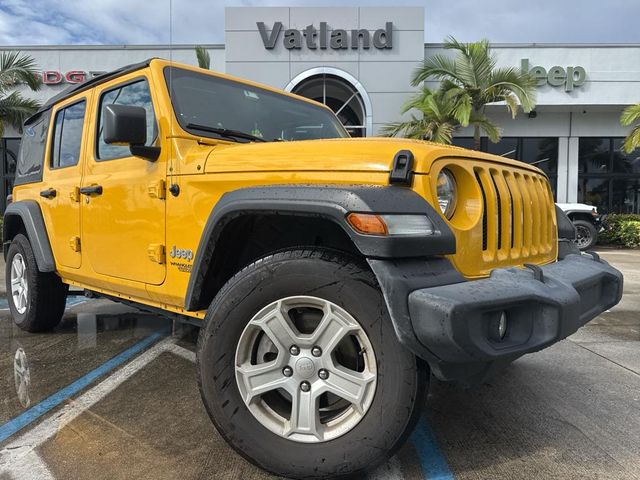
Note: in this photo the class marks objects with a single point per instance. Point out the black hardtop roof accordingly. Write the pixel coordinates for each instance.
(92, 82)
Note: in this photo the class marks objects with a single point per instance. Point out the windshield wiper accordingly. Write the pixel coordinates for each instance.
(225, 132)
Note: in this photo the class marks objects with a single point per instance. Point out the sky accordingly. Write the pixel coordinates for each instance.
(48, 22)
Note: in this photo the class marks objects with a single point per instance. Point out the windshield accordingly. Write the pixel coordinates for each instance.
(216, 107)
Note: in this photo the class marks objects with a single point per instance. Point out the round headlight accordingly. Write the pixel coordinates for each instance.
(446, 190)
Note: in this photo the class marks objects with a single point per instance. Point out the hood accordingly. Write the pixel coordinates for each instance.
(371, 154)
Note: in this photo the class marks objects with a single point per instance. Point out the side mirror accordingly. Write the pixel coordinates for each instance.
(127, 125)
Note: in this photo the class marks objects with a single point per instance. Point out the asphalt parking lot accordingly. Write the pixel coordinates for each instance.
(111, 394)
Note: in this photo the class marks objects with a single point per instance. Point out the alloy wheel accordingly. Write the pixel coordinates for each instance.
(306, 369)
(19, 283)
(583, 236)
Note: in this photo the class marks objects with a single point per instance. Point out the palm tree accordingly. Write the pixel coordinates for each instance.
(17, 70)
(631, 115)
(472, 80)
(437, 121)
(204, 61)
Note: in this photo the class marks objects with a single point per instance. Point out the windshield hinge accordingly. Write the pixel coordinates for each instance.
(402, 170)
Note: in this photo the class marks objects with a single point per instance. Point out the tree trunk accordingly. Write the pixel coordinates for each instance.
(476, 137)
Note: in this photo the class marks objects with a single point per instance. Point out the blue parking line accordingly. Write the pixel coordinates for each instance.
(434, 464)
(29, 416)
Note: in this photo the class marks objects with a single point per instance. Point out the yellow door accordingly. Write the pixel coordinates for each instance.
(123, 206)
(59, 196)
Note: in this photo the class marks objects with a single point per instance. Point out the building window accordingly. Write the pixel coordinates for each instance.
(340, 96)
(608, 177)
(539, 151)
(8, 157)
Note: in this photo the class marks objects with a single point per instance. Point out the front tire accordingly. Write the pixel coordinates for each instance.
(301, 371)
(586, 234)
(36, 299)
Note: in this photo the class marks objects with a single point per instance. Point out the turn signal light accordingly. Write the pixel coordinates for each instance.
(391, 224)
(367, 223)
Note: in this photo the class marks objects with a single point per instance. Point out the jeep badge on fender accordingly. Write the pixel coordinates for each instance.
(181, 253)
(315, 351)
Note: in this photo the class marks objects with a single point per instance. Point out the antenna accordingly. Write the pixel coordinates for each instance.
(170, 163)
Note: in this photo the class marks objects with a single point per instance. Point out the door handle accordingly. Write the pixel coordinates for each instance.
(48, 193)
(92, 190)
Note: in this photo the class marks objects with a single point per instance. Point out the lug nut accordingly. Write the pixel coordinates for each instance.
(316, 351)
(294, 350)
(287, 371)
(305, 386)
(323, 373)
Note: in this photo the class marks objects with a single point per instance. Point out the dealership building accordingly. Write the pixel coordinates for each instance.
(359, 62)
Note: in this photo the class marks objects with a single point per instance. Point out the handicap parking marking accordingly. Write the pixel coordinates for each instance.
(20, 457)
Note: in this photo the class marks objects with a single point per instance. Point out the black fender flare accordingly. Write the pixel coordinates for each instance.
(331, 202)
(31, 216)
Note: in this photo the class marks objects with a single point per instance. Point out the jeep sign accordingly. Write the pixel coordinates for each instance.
(557, 76)
(323, 38)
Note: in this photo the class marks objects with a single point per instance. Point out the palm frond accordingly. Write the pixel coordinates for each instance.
(443, 133)
(15, 109)
(435, 122)
(437, 67)
(512, 104)
(630, 115)
(204, 60)
(633, 140)
(512, 80)
(481, 121)
(462, 109)
(18, 69)
(474, 61)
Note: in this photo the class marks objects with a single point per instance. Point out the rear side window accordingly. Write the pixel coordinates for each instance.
(32, 147)
(67, 135)
(135, 94)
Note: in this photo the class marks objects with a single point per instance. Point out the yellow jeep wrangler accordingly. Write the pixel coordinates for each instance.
(330, 274)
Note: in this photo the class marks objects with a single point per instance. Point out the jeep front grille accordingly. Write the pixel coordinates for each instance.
(517, 222)
(504, 217)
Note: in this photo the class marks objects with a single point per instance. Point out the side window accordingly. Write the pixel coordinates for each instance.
(135, 94)
(67, 135)
(32, 146)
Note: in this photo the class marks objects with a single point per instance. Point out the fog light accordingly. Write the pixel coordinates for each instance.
(502, 325)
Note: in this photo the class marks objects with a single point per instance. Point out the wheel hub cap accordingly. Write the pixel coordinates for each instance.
(305, 367)
(19, 285)
(306, 406)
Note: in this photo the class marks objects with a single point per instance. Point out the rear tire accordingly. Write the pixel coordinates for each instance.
(586, 234)
(36, 299)
(244, 311)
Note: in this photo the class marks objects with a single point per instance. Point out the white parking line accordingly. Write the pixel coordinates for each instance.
(20, 461)
(19, 457)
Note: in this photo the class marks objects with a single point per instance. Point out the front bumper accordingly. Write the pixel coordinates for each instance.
(456, 323)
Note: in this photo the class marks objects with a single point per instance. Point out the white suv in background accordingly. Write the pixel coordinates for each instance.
(587, 222)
